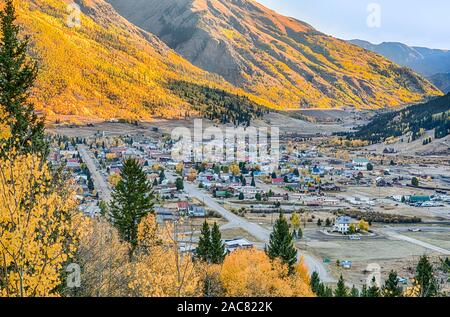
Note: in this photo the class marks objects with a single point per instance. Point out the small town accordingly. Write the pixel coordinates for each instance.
(338, 204)
(214, 156)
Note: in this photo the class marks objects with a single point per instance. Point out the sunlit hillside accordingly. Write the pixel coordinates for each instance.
(106, 67)
(278, 58)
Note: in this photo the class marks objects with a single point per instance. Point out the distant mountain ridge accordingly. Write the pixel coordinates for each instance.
(425, 61)
(280, 59)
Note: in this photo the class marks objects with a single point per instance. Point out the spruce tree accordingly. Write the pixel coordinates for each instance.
(391, 287)
(425, 278)
(373, 290)
(354, 292)
(341, 290)
(17, 76)
(203, 252)
(281, 244)
(364, 291)
(328, 292)
(315, 282)
(132, 200)
(217, 247)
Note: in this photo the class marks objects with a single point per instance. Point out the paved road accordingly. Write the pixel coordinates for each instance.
(99, 181)
(254, 229)
(389, 231)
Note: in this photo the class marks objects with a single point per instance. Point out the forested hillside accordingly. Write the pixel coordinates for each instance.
(434, 114)
(278, 58)
(105, 67)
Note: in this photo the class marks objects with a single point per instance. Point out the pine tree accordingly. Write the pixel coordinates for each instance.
(425, 278)
(373, 290)
(341, 290)
(17, 76)
(217, 247)
(179, 184)
(364, 291)
(162, 177)
(391, 287)
(328, 292)
(354, 292)
(315, 282)
(203, 252)
(132, 200)
(299, 234)
(281, 244)
(243, 181)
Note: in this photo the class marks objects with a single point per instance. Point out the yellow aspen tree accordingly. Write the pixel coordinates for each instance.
(234, 169)
(36, 233)
(250, 272)
(161, 269)
(103, 259)
(5, 131)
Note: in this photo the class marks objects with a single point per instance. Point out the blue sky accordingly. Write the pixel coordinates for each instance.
(413, 22)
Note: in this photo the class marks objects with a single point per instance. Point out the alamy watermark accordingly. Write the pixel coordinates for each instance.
(74, 17)
(73, 276)
(374, 277)
(374, 17)
(255, 145)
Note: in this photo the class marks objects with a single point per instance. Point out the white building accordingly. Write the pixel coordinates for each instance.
(342, 224)
(360, 164)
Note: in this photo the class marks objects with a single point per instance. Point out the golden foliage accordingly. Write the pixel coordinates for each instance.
(114, 179)
(106, 68)
(36, 234)
(148, 232)
(234, 169)
(412, 291)
(179, 168)
(161, 270)
(249, 272)
(363, 225)
(5, 131)
(103, 257)
(295, 221)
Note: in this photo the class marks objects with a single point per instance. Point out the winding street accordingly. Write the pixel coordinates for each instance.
(234, 221)
(99, 181)
(254, 229)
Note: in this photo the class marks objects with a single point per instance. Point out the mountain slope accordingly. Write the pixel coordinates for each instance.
(442, 81)
(107, 67)
(435, 114)
(281, 59)
(425, 61)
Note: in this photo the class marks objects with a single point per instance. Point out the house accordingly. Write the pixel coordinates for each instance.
(329, 187)
(346, 264)
(342, 224)
(196, 211)
(360, 164)
(239, 243)
(182, 206)
(317, 170)
(164, 214)
(418, 199)
(278, 181)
